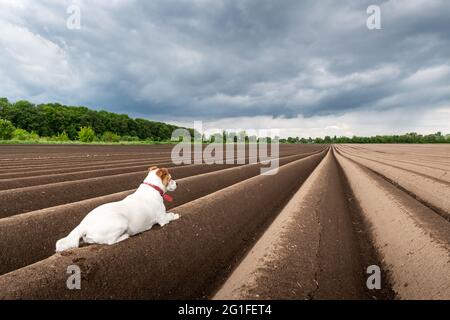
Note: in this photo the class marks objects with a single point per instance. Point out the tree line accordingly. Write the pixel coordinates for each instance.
(54, 119)
(412, 137)
(23, 120)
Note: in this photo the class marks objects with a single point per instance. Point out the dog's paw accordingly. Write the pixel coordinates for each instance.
(173, 216)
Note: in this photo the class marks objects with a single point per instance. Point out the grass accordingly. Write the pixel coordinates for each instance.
(77, 142)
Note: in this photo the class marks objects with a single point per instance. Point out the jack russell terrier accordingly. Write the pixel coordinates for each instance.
(116, 221)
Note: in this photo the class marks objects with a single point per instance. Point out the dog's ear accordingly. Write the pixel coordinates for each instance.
(163, 173)
(152, 168)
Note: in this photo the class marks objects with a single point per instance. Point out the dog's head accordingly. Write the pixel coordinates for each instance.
(164, 175)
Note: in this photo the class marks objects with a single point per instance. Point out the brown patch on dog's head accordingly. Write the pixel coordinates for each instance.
(164, 174)
(152, 168)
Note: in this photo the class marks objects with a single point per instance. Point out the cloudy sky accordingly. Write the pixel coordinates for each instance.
(308, 68)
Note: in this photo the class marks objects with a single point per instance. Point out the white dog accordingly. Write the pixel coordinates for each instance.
(114, 222)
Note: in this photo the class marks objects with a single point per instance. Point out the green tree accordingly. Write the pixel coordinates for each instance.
(109, 136)
(6, 129)
(49, 119)
(63, 136)
(3, 103)
(24, 135)
(86, 134)
(318, 140)
(291, 140)
(129, 138)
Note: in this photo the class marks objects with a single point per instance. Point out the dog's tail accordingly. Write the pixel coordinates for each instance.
(72, 240)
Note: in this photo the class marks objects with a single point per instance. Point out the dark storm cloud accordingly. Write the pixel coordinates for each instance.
(208, 59)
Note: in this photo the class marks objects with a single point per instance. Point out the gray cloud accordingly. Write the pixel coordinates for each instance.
(210, 59)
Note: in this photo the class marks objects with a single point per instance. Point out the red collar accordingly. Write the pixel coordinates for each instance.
(161, 192)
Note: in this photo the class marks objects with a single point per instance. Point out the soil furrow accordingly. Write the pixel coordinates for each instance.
(431, 191)
(30, 237)
(186, 259)
(412, 241)
(313, 250)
